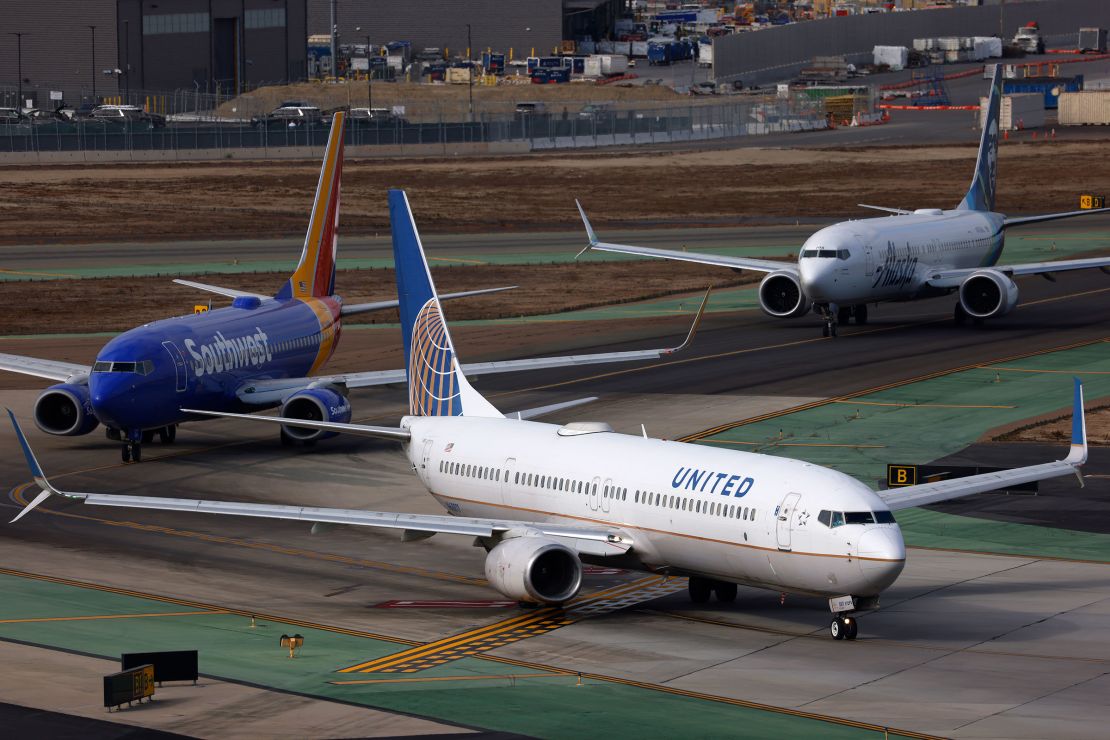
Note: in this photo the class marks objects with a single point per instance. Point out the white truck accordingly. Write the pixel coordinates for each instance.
(705, 54)
(1028, 37)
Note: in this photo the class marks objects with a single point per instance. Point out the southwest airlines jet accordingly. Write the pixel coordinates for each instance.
(542, 499)
(912, 254)
(260, 352)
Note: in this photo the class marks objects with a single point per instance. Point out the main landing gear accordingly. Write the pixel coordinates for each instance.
(843, 628)
(702, 588)
(132, 449)
(960, 315)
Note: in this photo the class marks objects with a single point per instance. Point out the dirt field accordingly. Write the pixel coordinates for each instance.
(1058, 429)
(63, 306)
(153, 202)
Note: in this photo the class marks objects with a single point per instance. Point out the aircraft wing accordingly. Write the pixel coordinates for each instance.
(931, 493)
(49, 369)
(718, 260)
(953, 278)
(272, 391)
(585, 539)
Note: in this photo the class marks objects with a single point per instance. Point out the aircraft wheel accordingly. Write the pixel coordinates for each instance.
(726, 592)
(166, 435)
(700, 590)
(843, 315)
(825, 330)
(960, 314)
(837, 628)
(832, 330)
(852, 628)
(148, 436)
(112, 434)
(861, 313)
(136, 452)
(125, 453)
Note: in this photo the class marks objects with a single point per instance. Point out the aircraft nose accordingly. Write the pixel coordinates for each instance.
(113, 399)
(817, 279)
(882, 555)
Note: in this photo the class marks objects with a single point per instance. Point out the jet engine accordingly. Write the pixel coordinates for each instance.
(65, 410)
(534, 569)
(315, 404)
(987, 294)
(781, 296)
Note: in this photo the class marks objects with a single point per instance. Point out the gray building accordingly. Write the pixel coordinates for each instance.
(149, 45)
(519, 26)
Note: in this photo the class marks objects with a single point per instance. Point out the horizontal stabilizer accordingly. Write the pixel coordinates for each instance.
(899, 211)
(354, 308)
(533, 413)
(229, 292)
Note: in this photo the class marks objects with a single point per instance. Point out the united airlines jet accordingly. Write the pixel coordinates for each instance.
(260, 352)
(542, 498)
(911, 254)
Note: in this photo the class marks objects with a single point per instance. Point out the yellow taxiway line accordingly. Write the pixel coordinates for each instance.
(113, 616)
(412, 679)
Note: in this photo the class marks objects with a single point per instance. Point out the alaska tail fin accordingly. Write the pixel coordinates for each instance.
(315, 275)
(437, 387)
(980, 196)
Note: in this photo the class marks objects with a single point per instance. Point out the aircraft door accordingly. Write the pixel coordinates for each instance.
(786, 518)
(592, 499)
(509, 471)
(869, 260)
(609, 496)
(179, 366)
(426, 461)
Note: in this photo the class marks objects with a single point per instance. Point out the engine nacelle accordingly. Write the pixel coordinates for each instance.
(534, 569)
(988, 293)
(65, 410)
(781, 296)
(315, 404)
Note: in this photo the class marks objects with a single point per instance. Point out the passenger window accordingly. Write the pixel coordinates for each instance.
(516, 477)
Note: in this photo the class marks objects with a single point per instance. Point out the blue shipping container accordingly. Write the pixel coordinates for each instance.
(1050, 87)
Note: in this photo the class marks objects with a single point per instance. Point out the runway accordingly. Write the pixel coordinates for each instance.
(967, 644)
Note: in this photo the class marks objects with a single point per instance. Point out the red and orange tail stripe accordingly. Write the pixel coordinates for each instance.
(315, 275)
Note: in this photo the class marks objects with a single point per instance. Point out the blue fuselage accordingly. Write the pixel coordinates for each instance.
(144, 377)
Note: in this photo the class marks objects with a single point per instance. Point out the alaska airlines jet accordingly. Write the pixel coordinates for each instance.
(912, 254)
(257, 353)
(542, 499)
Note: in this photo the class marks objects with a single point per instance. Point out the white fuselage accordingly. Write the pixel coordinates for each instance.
(891, 258)
(690, 509)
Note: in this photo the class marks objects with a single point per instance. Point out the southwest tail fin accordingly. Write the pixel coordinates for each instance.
(437, 386)
(315, 275)
(980, 196)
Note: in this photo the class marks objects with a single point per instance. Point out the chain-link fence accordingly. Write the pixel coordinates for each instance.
(191, 120)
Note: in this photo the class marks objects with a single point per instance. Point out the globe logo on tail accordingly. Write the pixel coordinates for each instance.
(433, 390)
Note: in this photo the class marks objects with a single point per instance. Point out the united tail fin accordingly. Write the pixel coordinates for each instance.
(315, 274)
(437, 386)
(980, 196)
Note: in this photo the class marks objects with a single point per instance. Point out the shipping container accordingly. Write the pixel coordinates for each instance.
(895, 57)
(1092, 39)
(1025, 110)
(1049, 87)
(1089, 108)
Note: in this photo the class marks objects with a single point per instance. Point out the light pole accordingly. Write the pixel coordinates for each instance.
(92, 67)
(126, 62)
(369, 76)
(469, 74)
(19, 69)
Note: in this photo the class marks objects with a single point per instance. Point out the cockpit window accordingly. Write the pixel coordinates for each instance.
(842, 254)
(858, 517)
(825, 253)
(810, 253)
(833, 519)
(828, 253)
(884, 517)
(145, 367)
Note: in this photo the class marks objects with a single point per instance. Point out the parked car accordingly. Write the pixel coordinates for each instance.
(530, 109)
(38, 116)
(290, 114)
(11, 117)
(594, 112)
(127, 115)
(374, 116)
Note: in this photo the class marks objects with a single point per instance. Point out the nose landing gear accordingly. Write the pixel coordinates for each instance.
(844, 628)
(132, 449)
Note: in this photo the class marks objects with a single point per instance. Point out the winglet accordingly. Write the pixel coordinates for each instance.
(36, 471)
(1078, 454)
(694, 326)
(590, 235)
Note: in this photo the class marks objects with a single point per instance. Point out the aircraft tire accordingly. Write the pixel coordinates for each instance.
(148, 436)
(843, 315)
(832, 330)
(166, 435)
(725, 592)
(137, 452)
(860, 312)
(852, 628)
(837, 628)
(125, 453)
(825, 330)
(700, 590)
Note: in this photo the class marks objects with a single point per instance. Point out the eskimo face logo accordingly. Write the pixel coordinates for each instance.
(991, 165)
(432, 388)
